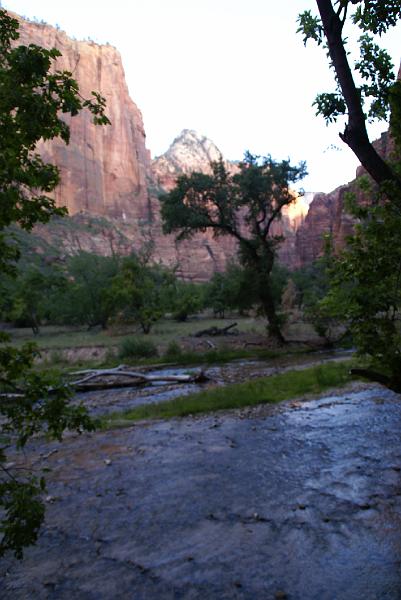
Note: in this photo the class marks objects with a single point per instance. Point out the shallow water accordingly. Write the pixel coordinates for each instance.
(300, 501)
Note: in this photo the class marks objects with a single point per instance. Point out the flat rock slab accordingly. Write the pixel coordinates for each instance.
(299, 501)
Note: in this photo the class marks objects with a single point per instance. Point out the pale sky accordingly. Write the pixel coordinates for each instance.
(233, 70)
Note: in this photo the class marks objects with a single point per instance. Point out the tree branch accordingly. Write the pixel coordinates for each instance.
(355, 133)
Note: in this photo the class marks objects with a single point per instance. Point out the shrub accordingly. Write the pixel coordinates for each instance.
(173, 350)
(132, 347)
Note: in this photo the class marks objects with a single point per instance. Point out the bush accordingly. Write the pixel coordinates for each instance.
(173, 350)
(133, 347)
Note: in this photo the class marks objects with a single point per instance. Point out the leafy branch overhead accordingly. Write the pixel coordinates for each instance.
(364, 89)
(33, 100)
(365, 277)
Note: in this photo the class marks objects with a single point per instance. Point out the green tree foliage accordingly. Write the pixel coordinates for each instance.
(86, 298)
(138, 292)
(365, 290)
(365, 90)
(312, 284)
(365, 282)
(187, 299)
(289, 300)
(234, 289)
(244, 206)
(31, 296)
(33, 96)
(312, 281)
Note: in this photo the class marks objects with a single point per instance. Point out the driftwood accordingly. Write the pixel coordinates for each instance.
(120, 375)
(207, 343)
(210, 344)
(217, 331)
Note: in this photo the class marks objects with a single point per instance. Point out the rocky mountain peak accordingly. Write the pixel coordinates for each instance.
(191, 147)
(189, 152)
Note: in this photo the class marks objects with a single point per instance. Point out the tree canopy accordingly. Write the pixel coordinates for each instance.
(366, 90)
(365, 284)
(33, 97)
(244, 205)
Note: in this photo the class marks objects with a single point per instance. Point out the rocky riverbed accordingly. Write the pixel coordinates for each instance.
(299, 501)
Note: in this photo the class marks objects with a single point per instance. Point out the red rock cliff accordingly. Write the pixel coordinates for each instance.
(103, 169)
(107, 172)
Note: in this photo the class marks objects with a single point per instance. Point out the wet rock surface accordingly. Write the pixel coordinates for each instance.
(299, 501)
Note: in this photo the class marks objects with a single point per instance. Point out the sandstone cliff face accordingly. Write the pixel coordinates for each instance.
(326, 215)
(104, 170)
(107, 172)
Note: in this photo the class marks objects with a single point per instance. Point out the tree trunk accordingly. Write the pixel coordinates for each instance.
(355, 134)
(35, 325)
(146, 327)
(268, 305)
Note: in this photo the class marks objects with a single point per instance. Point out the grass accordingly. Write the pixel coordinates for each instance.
(186, 359)
(218, 356)
(165, 331)
(266, 390)
(132, 347)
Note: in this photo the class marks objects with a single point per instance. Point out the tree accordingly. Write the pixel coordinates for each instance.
(365, 283)
(232, 290)
(365, 290)
(32, 96)
(86, 299)
(138, 291)
(245, 206)
(289, 300)
(218, 295)
(373, 97)
(187, 299)
(32, 296)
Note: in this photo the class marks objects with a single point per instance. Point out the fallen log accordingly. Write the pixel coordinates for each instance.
(114, 369)
(87, 383)
(217, 331)
(137, 378)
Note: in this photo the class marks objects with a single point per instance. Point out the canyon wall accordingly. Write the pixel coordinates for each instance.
(327, 214)
(104, 170)
(107, 173)
(108, 181)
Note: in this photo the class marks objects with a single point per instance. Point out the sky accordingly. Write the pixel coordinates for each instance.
(233, 70)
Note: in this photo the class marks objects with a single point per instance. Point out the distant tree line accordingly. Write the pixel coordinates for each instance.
(96, 291)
